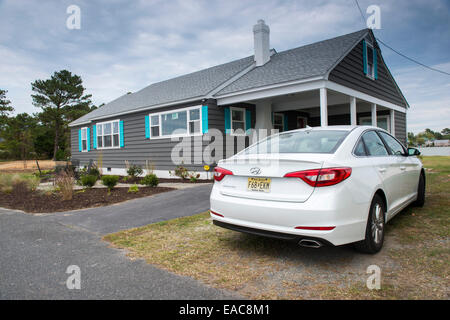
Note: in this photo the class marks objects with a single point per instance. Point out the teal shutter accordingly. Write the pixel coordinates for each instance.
(365, 56)
(375, 71)
(80, 143)
(121, 134)
(286, 127)
(248, 120)
(204, 119)
(226, 111)
(147, 127)
(88, 140)
(94, 134)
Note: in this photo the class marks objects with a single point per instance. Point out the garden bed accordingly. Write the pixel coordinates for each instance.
(136, 180)
(47, 202)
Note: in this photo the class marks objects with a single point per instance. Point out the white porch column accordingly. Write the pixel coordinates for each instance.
(353, 111)
(392, 124)
(263, 117)
(374, 114)
(323, 107)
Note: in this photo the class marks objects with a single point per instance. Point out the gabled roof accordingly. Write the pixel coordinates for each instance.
(313, 60)
(304, 62)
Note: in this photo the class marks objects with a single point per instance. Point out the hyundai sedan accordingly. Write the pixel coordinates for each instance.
(326, 185)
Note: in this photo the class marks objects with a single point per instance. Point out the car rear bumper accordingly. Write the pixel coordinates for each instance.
(325, 208)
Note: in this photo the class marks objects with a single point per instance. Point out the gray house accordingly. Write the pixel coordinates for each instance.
(339, 81)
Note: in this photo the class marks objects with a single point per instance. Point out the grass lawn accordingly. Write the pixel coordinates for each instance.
(414, 262)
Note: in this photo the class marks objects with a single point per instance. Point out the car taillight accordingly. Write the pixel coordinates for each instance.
(220, 173)
(322, 177)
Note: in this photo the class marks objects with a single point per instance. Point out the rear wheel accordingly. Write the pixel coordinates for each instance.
(373, 241)
(420, 192)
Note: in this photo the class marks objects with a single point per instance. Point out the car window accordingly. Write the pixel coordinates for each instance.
(360, 150)
(375, 147)
(313, 141)
(394, 146)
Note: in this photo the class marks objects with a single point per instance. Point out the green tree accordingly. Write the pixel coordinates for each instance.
(62, 100)
(18, 136)
(445, 131)
(5, 107)
(412, 139)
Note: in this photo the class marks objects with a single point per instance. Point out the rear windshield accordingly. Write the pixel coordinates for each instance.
(313, 141)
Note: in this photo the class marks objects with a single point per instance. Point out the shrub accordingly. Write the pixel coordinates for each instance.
(88, 180)
(134, 171)
(134, 188)
(150, 180)
(95, 172)
(64, 183)
(7, 181)
(110, 181)
(193, 176)
(181, 172)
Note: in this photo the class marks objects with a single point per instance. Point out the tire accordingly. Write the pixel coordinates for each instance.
(374, 229)
(420, 192)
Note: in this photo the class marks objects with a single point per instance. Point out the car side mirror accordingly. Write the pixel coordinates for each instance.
(413, 152)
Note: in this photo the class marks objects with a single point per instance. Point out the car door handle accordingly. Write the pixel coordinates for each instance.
(382, 170)
(402, 168)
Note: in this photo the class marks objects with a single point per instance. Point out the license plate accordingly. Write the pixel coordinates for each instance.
(258, 184)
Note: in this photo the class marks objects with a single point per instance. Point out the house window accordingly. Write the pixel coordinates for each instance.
(382, 122)
(181, 122)
(108, 135)
(84, 139)
(369, 61)
(278, 121)
(237, 121)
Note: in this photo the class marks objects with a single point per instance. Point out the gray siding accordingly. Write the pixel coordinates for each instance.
(350, 73)
(400, 126)
(137, 149)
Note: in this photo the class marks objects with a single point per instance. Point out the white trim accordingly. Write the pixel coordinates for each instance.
(112, 134)
(323, 107)
(232, 133)
(164, 174)
(353, 111)
(362, 96)
(272, 91)
(392, 123)
(373, 111)
(372, 77)
(156, 106)
(85, 130)
(187, 134)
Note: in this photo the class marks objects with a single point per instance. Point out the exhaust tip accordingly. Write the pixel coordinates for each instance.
(308, 243)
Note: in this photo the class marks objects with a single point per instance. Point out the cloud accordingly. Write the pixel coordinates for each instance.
(124, 46)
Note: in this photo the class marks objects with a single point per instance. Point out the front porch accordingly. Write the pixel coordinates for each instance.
(323, 107)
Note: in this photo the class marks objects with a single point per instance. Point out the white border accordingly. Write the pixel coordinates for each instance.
(112, 133)
(232, 133)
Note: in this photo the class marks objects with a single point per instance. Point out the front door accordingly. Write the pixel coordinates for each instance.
(301, 122)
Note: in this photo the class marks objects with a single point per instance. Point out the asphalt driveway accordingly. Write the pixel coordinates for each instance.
(36, 251)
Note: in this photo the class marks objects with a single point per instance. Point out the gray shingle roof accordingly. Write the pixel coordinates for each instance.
(295, 64)
(197, 84)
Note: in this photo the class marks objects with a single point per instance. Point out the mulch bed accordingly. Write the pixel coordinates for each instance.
(42, 202)
(161, 180)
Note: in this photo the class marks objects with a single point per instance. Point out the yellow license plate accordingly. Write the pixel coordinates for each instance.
(258, 184)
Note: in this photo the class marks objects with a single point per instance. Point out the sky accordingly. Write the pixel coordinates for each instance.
(123, 46)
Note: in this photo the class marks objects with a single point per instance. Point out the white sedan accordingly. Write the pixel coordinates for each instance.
(325, 185)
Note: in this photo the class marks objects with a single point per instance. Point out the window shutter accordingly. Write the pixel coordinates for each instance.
(285, 123)
(88, 140)
(227, 120)
(375, 71)
(121, 134)
(204, 119)
(147, 127)
(94, 136)
(248, 120)
(80, 143)
(365, 56)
